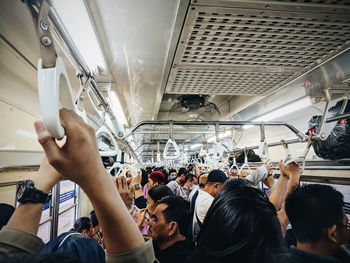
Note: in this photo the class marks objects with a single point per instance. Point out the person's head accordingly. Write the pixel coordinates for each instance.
(170, 219)
(94, 221)
(316, 214)
(215, 182)
(6, 212)
(83, 225)
(181, 175)
(155, 178)
(172, 174)
(202, 180)
(190, 180)
(155, 194)
(241, 226)
(234, 173)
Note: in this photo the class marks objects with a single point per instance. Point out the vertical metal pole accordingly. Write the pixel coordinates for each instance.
(77, 201)
(55, 210)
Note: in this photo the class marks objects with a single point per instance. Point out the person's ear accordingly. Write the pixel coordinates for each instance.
(172, 228)
(332, 233)
(155, 183)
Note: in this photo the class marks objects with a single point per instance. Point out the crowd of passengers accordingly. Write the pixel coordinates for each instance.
(185, 215)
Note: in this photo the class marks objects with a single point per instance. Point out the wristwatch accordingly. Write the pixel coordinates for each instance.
(27, 193)
(136, 187)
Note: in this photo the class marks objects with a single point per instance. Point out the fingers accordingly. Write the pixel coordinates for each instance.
(48, 143)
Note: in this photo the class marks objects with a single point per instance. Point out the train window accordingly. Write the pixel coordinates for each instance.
(67, 206)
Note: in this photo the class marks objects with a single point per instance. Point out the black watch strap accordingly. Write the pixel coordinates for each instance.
(27, 193)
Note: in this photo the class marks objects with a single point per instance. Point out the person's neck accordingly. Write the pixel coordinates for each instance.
(178, 180)
(171, 241)
(319, 248)
(208, 190)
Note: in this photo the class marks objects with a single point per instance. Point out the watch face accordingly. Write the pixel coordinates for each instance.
(21, 191)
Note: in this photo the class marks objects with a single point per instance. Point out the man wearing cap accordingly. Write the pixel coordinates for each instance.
(214, 185)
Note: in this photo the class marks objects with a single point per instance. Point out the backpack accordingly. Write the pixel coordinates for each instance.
(337, 145)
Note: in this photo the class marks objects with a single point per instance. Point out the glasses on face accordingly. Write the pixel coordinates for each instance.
(347, 226)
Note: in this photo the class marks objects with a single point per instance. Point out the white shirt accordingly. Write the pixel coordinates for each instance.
(203, 203)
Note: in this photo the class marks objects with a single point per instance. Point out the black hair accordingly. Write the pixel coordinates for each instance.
(240, 226)
(172, 171)
(6, 212)
(312, 208)
(189, 177)
(93, 217)
(144, 177)
(159, 191)
(81, 224)
(182, 171)
(178, 210)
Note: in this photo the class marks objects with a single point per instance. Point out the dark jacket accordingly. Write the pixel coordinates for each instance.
(75, 245)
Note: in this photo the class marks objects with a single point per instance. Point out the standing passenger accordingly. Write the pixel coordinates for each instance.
(167, 227)
(214, 185)
(176, 186)
(318, 223)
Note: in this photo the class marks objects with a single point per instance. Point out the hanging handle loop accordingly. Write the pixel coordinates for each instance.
(103, 131)
(302, 158)
(245, 164)
(54, 92)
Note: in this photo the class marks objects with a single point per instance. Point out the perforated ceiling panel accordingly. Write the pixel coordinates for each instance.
(238, 51)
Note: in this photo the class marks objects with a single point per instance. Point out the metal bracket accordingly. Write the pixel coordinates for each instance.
(263, 146)
(328, 123)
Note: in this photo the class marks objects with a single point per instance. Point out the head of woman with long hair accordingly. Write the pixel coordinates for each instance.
(241, 226)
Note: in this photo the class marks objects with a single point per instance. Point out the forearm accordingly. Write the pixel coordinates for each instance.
(27, 216)
(278, 193)
(120, 233)
(282, 217)
(197, 173)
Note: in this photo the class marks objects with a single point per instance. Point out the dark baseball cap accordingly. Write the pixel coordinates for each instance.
(217, 176)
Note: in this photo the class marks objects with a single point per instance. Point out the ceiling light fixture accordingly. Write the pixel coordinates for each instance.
(79, 27)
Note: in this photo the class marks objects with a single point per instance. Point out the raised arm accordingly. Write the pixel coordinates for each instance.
(293, 172)
(78, 160)
(19, 235)
(279, 190)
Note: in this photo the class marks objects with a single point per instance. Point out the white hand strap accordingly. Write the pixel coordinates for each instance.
(245, 165)
(104, 131)
(55, 93)
(166, 154)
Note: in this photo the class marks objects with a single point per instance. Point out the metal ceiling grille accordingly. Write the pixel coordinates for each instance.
(240, 51)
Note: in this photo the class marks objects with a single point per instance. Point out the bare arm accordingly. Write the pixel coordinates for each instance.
(27, 216)
(278, 193)
(293, 172)
(79, 161)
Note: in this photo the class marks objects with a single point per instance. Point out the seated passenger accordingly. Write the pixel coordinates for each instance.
(318, 223)
(77, 243)
(168, 225)
(240, 226)
(176, 186)
(214, 185)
